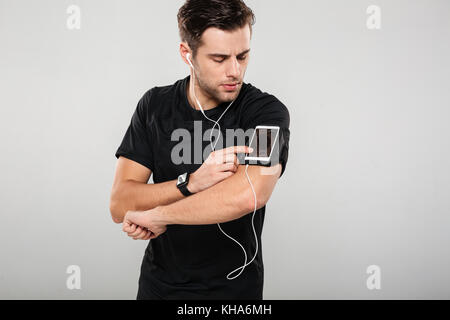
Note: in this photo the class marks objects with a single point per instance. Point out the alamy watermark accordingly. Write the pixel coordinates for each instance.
(182, 152)
(374, 280)
(74, 280)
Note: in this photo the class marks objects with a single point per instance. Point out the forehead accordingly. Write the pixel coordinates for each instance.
(225, 42)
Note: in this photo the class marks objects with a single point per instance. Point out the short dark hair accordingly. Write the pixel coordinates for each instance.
(195, 16)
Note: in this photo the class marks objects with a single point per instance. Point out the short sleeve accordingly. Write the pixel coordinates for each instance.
(270, 112)
(136, 144)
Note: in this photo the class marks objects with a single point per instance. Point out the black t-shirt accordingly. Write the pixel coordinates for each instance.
(193, 261)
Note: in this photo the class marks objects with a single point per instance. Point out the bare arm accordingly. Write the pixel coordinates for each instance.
(225, 201)
(130, 190)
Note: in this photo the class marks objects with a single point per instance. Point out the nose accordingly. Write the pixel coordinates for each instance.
(233, 69)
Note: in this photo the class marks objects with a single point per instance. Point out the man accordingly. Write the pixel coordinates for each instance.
(187, 256)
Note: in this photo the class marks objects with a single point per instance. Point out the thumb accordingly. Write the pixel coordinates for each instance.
(125, 226)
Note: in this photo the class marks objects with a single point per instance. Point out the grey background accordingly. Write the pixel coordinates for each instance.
(367, 181)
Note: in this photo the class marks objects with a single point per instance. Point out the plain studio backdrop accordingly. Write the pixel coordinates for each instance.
(367, 181)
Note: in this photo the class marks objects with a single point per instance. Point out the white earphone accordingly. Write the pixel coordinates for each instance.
(248, 178)
(188, 56)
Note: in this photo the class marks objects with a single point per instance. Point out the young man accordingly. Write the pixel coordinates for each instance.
(188, 257)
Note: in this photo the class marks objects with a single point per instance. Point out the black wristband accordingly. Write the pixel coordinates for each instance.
(182, 183)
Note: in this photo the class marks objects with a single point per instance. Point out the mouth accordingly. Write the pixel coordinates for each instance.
(231, 86)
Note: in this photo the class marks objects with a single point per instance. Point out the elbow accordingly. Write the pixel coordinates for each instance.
(115, 210)
(117, 219)
(117, 203)
(261, 200)
(115, 214)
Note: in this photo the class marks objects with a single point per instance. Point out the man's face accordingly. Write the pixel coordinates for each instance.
(222, 59)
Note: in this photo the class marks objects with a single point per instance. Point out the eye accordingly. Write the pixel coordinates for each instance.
(239, 58)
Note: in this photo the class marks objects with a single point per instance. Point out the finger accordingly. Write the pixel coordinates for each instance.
(236, 161)
(142, 235)
(149, 234)
(125, 226)
(225, 157)
(230, 157)
(135, 233)
(237, 149)
(130, 228)
(229, 166)
(137, 237)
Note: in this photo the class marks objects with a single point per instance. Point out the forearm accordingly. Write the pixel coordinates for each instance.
(133, 195)
(228, 200)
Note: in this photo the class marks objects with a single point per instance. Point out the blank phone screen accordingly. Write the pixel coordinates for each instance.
(262, 142)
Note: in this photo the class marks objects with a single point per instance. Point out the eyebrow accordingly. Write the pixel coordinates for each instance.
(225, 56)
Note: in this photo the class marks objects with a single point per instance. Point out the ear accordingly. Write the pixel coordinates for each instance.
(185, 53)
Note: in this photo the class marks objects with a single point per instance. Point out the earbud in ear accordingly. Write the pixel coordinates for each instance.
(188, 57)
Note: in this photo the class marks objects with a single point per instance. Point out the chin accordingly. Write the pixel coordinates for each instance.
(230, 96)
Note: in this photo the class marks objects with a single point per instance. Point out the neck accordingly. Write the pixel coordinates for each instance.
(206, 105)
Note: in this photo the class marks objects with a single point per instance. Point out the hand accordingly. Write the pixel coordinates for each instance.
(136, 232)
(144, 225)
(219, 165)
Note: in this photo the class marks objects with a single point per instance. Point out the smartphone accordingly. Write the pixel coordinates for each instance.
(262, 142)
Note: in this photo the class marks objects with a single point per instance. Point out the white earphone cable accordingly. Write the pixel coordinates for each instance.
(192, 87)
